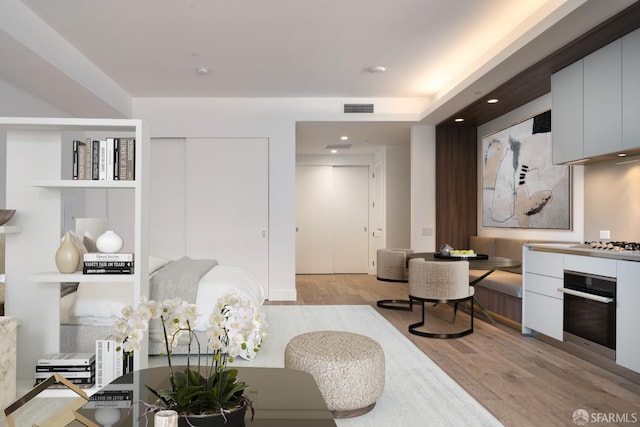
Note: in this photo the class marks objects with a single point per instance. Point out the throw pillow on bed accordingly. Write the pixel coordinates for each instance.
(101, 299)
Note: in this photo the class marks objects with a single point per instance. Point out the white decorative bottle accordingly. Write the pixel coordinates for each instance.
(109, 242)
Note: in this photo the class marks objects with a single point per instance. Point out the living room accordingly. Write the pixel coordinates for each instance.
(275, 118)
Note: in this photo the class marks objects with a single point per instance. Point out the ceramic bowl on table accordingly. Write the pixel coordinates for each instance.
(5, 215)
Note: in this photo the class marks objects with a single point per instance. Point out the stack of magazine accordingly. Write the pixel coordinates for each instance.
(99, 263)
(78, 368)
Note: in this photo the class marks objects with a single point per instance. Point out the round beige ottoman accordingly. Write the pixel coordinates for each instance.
(348, 368)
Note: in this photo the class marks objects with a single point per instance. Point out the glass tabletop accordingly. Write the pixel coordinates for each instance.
(281, 397)
(475, 263)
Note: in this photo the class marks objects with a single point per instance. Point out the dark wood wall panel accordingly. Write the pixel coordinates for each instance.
(456, 185)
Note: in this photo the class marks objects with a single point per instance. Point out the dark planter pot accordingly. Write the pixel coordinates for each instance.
(235, 418)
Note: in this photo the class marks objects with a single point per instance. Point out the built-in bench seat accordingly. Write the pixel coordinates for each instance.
(501, 291)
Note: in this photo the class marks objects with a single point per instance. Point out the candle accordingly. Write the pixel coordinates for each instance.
(166, 418)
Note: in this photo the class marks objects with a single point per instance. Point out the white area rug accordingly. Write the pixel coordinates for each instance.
(417, 392)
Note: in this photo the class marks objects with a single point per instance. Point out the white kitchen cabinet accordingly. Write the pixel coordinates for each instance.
(628, 315)
(542, 302)
(567, 114)
(631, 85)
(603, 100)
(36, 184)
(595, 107)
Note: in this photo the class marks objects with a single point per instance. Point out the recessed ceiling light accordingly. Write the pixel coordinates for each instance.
(492, 101)
(202, 71)
(377, 69)
(334, 151)
(344, 137)
(458, 120)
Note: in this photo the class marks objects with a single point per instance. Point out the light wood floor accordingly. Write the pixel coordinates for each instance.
(521, 380)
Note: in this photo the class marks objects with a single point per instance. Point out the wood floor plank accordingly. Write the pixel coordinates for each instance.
(521, 380)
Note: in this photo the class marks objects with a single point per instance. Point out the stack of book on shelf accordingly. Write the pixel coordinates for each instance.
(106, 159)
(79, 368)
(120, 396)
(99, 263)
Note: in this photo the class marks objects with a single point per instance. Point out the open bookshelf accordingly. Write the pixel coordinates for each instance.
(38, 177)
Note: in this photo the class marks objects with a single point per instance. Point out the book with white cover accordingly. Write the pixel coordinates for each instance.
(105, 356)
(67, 374)
(65, 359)
(116, 257)
(110, 158)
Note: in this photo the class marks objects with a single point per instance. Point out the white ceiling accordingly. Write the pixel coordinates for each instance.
(434, 50)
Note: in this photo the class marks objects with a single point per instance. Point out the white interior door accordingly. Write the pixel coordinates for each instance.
(227, 209)
(314, 221)
(350, 219)
(332, 219)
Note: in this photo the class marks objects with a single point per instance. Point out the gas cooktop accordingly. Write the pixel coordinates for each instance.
(611, 246)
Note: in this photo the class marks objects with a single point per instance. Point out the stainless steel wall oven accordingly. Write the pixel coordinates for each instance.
(590, 312)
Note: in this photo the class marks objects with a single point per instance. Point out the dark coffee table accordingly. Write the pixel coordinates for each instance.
(281, 397)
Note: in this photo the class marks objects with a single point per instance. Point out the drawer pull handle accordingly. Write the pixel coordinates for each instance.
(585, 295)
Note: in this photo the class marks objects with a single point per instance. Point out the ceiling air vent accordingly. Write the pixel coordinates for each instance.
(358, 108)
(338, 147)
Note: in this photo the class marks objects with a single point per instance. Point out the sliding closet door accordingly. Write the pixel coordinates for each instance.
(314, 219)
(227, 209)
(167, 198)
(331, 219)
(350, 219)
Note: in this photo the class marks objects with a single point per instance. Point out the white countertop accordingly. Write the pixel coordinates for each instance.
(583, 250)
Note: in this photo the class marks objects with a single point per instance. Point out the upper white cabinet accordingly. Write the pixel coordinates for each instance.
(37, 181)
(567, 114)
(631, 92)
(603, 100)
(595, 102)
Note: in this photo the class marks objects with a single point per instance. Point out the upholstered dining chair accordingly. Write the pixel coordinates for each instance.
(391, 266)
(439, 282)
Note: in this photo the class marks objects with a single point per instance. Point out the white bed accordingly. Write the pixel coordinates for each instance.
(87, 312)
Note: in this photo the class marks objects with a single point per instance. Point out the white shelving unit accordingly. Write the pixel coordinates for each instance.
(8, 229)
(35, 184)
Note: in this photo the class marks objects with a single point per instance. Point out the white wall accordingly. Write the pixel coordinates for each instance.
(612, 200)
(576, 233)
(423, 188)
(398, 196)
(16, 102)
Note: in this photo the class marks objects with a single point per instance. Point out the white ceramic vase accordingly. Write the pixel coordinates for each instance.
(107, 417)
(109, 242)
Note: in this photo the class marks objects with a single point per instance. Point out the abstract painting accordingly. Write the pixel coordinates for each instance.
(521, 188)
